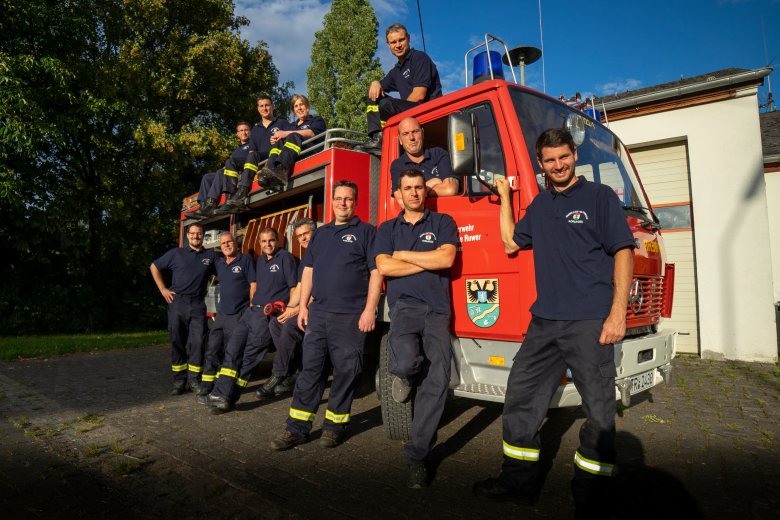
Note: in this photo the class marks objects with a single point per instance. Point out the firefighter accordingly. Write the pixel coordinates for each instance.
(236, 274)
(287, 143)
(213, 185)
(414, 77)
(433, 162)
(414, 252)
(340, 272)
(276, 272)
(286, 335)
(259, 149)
(191, 267)
(582, 252)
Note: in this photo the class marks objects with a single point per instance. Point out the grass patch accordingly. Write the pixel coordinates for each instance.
(117, 447)
(650, 418)
(93, 450)
(20, 423)
(89, 422)
(38, 346)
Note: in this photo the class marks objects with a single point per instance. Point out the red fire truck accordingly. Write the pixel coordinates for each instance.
(490, 129)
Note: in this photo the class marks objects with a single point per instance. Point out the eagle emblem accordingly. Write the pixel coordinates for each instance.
(482, 301)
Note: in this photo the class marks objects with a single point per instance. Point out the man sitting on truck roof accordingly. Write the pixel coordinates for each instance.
(433, 162)
(224, 180)
(582, 252)
(259, 150)
(414, 77)
(287, 144)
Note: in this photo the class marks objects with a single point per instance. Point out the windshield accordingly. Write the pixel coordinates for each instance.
(601, 157)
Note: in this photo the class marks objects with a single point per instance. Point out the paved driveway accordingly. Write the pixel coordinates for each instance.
(94, 435)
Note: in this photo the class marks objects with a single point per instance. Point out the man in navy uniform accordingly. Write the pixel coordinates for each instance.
(191, 267)
(259, 149)
(340, 272)
(287, 337)
(582, 249)
(276, 274)
(414, 77)
(287, 144)
(224, 180)
(236, 274)
(434, 162)
(414, 252)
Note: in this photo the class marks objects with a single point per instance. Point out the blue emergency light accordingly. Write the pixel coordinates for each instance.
(482, 67)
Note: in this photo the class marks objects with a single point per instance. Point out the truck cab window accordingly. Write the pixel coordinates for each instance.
(491, 154)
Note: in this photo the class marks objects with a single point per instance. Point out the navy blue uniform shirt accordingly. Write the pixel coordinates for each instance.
(341, 259)
(275, 277)
(191, 269)
(260, 136)
(416, 70)
(427, 234)
(574, 234)
(314, 123)
(435, 164)
(234, 280)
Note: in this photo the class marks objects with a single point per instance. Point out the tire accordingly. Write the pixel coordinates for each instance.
(396, 417)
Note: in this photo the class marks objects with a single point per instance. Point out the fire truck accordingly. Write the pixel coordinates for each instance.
(490, 129)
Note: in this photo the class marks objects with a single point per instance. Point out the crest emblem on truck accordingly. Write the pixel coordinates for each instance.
(636, 297)
(482, 301)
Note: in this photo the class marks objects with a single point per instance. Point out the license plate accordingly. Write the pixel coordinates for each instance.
(642, 382)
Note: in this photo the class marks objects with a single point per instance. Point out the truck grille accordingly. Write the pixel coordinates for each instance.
(645, 297)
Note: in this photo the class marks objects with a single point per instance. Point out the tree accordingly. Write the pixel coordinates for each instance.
(343, 64)
(110, 110)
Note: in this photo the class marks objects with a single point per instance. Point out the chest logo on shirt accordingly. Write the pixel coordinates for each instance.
(274, 268)
(576, 217)
(236, 269)
(205, 261)
(482, 301)
(274, 130)
(428, 237)
(349, 239)
(406, 73)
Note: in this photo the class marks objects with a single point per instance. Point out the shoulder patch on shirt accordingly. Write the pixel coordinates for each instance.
(576, 217)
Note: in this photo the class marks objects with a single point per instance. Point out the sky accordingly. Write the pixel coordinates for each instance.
(598, 47)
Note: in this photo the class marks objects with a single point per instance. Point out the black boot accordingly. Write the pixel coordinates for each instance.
(236, 201)
(267, 390)
(206, 209)
(273, 177)
(373, 145)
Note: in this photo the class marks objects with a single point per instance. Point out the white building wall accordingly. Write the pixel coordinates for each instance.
(731, 228)
(773, 208)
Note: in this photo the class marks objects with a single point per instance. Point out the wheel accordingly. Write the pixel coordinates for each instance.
(396, 417)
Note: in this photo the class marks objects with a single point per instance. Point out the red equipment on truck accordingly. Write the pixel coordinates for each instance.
(490, 130)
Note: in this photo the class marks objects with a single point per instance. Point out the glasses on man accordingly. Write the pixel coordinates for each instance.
(301, 235)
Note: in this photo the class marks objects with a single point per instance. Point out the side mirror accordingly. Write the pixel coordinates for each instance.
(461, 129)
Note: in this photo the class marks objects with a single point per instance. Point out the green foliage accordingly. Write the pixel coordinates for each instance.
(343, 64)
(37, 346)
(110, 111)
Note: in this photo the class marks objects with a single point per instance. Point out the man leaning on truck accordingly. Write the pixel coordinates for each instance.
(582, 252)
(414, 252)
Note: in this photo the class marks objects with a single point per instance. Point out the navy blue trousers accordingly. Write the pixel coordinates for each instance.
(219, 337)
(187, 331)
(330, 340)
(288, 339)
(549, 348)
(245, 350)
(420, 353)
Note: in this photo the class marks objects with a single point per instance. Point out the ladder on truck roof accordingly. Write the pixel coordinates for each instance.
(282, 222)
